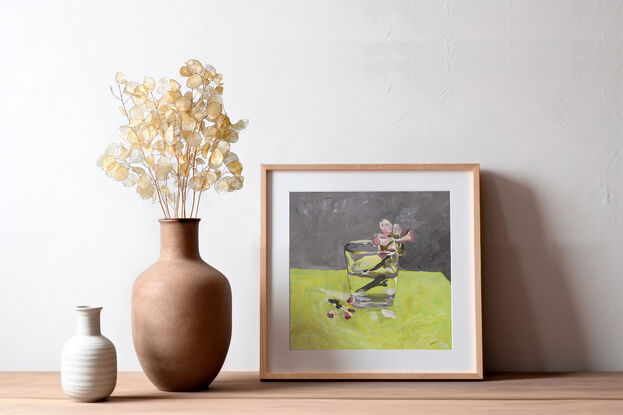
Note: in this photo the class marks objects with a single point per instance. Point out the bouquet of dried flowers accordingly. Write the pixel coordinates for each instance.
(175, 145)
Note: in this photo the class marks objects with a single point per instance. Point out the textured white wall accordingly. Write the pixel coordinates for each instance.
(533, 90)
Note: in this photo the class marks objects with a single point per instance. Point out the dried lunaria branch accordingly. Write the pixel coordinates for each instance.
(175, 144)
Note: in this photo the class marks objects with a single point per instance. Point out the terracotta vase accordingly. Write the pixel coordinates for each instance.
(181, 313)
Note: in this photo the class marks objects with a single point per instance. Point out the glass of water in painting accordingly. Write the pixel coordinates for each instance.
(372, 274)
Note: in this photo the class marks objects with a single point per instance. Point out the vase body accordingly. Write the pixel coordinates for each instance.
(89, 361)
(181, 313)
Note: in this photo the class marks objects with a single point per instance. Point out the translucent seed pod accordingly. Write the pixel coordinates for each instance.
(221, 185)
(130, 181)
(120, 78)
(149, 83)
(214, 110)
(194, 66)
(216, 159)
(121, 173)
(146, 192)
(194, 81)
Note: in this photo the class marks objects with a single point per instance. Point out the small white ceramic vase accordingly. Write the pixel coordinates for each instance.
(89, 364)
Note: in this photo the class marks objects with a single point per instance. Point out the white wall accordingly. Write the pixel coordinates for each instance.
(530, 89)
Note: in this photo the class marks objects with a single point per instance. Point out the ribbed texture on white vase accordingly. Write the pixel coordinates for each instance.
(89, 363)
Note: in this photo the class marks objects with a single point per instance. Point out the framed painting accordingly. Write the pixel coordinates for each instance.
(370, 272)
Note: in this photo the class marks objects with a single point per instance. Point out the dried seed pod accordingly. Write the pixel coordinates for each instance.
(143, 181)
(194, 66)
(113, 149)
(136, 156)
(184, 169)
(169, 137)
(132, 137)
(149, 83)
(138, 170)
(121, 173)
(231, 136)
(221, 186)
(194, 139)
(108, 162)
(130, 87)
(188, 123)
(173, 85)
(162, 85)
(166, 100)
(210, 69)
(209, 131)
(130, 180)
(214, 110)
(216, 158)
(182, 104)
(124, 153)
(150, 161)
(120, 78)
(230, 158)
(139, 97)
(136, 113)
(210, 178)
(235, 167)
(164, 164)
(146, 192)
(236, 183)
(223, 147)
(241, 125)
(194, 81)
(185, 72)
(207, 93)
(196, 183)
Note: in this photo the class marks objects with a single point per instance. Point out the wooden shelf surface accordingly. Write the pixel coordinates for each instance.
(242, 392)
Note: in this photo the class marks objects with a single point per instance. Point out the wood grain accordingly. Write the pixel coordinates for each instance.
(243, 392)
(266, 171)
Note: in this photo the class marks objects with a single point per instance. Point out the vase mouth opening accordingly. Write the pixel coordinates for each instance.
(88, 308)
(179, 220)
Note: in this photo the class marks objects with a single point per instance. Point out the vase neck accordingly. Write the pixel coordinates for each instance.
(88, 320)
(179, 238)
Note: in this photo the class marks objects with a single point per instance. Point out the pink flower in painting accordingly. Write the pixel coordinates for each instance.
(392, 237)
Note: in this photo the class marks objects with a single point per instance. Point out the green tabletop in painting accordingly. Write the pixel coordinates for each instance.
(419, 319)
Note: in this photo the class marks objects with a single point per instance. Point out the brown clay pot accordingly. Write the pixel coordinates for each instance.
(181, 313)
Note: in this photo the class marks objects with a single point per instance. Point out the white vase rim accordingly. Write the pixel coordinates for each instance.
(88, 308)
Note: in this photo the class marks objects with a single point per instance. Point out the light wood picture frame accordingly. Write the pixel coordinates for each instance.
(391, 314)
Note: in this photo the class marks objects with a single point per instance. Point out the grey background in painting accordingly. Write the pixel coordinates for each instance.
(321, 223)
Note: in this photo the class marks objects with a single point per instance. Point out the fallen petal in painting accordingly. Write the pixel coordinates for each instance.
(388, 313)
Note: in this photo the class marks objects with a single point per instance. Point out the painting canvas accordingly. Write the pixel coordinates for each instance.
(370, 271)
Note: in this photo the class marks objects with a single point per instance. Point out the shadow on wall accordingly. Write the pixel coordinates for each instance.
(530, 321)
